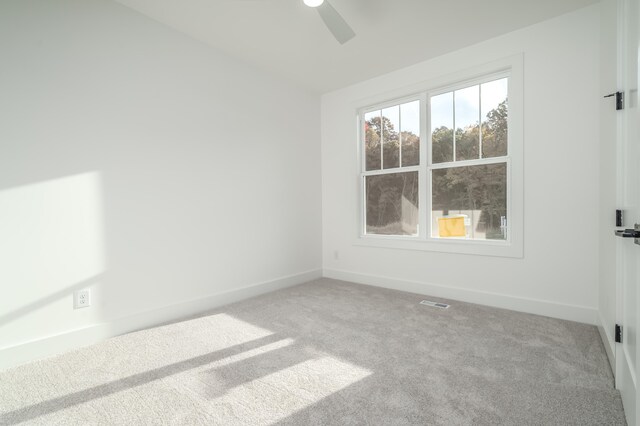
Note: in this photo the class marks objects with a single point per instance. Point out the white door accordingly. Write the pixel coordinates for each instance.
(628, 197)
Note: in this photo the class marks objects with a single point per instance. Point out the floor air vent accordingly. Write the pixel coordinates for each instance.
(434, 304)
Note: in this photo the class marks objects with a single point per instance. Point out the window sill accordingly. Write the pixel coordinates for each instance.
(456, 246)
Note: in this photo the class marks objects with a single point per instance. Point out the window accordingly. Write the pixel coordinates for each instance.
(391, 160)
(436, 167)
(468, 163)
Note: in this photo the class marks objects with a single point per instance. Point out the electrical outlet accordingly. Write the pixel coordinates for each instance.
(81, 299)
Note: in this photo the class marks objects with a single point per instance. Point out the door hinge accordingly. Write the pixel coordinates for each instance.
(619, 99)
(618, 333)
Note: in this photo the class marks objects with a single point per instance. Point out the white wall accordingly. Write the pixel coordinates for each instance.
(558, 275)
(145, 166)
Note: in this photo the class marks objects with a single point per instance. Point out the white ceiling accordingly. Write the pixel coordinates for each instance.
(288, 39)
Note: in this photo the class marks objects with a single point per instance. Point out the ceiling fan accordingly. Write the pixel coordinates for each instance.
(332, 19)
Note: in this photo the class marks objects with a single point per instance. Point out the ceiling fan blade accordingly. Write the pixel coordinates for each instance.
(336, 24)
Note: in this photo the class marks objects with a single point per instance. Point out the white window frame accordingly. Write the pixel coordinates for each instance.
(512, 68)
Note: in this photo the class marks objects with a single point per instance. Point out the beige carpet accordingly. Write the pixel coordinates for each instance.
(328, 352)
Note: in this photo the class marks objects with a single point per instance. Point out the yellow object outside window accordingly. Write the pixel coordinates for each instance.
(451, 227)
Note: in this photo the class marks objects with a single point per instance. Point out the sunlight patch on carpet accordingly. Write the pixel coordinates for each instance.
(272, 398)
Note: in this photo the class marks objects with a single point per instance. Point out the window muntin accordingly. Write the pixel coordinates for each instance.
(465, 177)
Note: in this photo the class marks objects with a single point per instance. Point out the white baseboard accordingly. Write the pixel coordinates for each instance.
(73, 339)
(607, 340)
(581, 314)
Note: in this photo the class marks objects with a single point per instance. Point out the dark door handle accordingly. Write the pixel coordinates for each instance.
(627, 233)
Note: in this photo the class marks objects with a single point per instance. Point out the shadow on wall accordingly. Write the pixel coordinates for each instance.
(143, 171)
(52, 244)
(7, 318)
